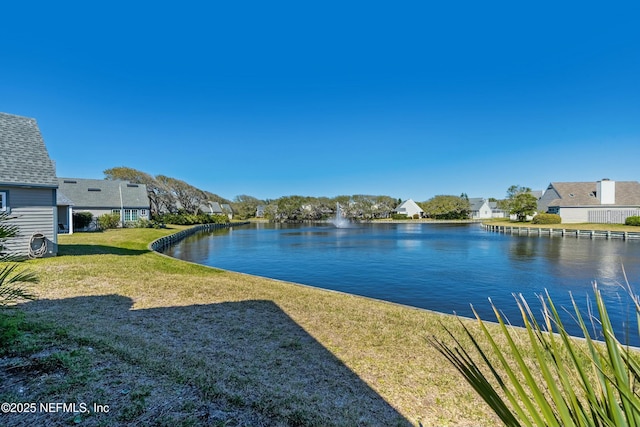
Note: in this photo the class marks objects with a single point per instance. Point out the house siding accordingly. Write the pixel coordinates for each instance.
(573, 215)
(593, 214)
(32, 211)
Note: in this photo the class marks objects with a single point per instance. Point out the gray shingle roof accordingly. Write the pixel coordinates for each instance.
(102, 193)
(62, 200)
(584, 194)
(24, 159)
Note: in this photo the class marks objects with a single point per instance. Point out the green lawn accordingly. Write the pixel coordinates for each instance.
(166, 342)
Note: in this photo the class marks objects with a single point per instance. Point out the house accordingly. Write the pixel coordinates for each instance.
(28, 187)
(211, 208)
(409, 208)
(604, 201)
(496, 211)
(480, 208)
(260, 211)
(227, 210)
(101, 196)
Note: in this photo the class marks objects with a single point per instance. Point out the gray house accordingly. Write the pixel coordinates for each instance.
(101, 196)
(604, 201)
(28, 187)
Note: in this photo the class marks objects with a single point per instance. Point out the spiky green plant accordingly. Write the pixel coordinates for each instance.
(571, 382)
(12, 278)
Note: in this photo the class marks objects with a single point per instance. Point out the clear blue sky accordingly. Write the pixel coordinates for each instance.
(407, 99)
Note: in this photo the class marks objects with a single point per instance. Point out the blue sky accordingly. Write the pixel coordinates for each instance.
(410, 99)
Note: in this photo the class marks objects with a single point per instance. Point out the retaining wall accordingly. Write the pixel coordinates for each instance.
(162, 243)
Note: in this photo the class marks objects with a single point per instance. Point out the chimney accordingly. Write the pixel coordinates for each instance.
(606, 191)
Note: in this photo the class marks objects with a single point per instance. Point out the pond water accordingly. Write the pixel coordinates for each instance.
(440, 267)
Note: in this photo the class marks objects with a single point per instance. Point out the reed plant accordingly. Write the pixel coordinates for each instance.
(572, 381)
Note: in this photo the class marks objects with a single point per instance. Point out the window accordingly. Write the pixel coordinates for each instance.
(131, 214)
(115, 211)
(4, 202)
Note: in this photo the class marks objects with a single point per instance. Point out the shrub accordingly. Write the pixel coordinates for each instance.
(572, 382)
(82, 220)
(107, 221)
(416, 216)
(547, 218)
(399, 216)
(183, 218)
(632, 220)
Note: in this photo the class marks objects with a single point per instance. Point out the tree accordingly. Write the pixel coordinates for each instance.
(156, 191)
(189, 197)
(520, 202)
(245, 206)
(447, 207)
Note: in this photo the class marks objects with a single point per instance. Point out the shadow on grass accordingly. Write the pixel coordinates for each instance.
(75, 250)
(245, 363)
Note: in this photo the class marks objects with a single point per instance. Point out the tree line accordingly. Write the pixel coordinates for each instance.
(169, 195)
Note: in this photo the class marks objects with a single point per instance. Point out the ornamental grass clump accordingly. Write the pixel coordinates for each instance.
(573, 381)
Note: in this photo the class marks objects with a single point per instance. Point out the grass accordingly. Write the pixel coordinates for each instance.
(166, 342)
(579, 226)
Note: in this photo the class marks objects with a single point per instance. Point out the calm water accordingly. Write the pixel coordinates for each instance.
(434, 266)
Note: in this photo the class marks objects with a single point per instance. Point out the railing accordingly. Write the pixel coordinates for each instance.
(163, 243)
(563, 232)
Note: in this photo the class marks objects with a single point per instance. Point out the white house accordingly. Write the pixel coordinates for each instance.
(480, 208)
(604, 201)
(409, 208)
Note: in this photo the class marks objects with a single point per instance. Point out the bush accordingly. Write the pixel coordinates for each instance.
(546, 218)
(183, 218)
(632, 220)
(82, 220)
(107, 221)
(399, 216)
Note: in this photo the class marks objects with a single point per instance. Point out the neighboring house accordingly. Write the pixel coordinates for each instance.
(211, 208)
(28, 187)
(409, 208)
(496, 212)
(260, 211)
(101, 196)
(480, 208)
(227, 210)
(604, 201)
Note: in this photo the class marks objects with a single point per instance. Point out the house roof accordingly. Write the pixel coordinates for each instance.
(475, 203)
(211, 208)
(102, 193)
(24, 159)
(62, 200)
(627, 193)
(409, 204)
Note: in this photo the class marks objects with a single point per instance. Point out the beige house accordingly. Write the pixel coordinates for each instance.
(604, 201)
